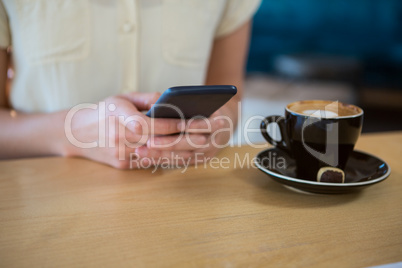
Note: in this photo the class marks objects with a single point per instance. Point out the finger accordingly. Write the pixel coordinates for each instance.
(141, 124)
(132, 139)
(181, 142)
(143, 101)
(165, 126)
(206, 125)
(137, 122)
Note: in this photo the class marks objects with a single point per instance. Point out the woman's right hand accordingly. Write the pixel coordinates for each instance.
(111, 131)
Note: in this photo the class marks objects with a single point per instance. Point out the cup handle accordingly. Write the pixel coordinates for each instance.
(280, 120)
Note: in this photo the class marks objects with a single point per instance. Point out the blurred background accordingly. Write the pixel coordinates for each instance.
(343, 50)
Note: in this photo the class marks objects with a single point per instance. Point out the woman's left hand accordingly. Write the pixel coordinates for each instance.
(200, 140)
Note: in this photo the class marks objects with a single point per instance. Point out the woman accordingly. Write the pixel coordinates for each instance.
(116, 54)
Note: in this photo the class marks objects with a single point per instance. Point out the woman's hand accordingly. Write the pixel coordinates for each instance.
(112, 131)
(201, 140)
(117, 133)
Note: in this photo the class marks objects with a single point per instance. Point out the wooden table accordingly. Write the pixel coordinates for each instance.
(59, 212)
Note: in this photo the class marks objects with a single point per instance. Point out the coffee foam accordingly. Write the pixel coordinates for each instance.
(320, 113)
(324, 109)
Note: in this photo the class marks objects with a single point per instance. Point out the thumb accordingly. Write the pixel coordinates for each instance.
(143, 101)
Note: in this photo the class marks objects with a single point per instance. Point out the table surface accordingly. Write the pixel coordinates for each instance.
(73, 212)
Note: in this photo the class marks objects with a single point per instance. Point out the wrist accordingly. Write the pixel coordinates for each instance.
(61, 145)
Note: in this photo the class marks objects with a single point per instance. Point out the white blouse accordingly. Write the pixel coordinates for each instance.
(67, 52)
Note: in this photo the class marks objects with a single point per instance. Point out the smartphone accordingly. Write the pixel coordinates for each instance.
(186, 102)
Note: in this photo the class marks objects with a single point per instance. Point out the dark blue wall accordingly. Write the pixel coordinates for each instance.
(370, 30)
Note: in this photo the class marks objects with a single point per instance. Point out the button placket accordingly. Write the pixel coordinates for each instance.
(128, 27)
(128, 36)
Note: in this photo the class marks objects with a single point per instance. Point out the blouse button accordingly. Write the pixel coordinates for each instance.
(127, 27)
